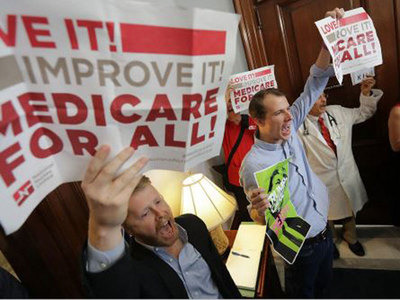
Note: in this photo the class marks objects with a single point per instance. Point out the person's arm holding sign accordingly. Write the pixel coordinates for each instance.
(324, 56)
(320, 73)
(368, 101)
(368, 104)
(108, 196)
(231, 115)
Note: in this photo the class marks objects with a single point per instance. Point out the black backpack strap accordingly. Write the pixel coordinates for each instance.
(244, 124)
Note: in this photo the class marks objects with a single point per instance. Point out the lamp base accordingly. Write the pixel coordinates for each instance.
(220, 239)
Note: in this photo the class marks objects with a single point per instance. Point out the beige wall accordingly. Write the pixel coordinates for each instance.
(169, 184)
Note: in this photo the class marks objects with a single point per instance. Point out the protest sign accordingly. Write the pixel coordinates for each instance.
(286, 230)
(246, 84)
(357, 77)
(352, 42)
(77, 74)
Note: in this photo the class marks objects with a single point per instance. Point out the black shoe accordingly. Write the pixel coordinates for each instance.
(357, 249)
(336, 253)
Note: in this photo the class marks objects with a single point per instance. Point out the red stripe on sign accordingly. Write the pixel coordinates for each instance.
(169, 40)
(353, 19)
(262, 73)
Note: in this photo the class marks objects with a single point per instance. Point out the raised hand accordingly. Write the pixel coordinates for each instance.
(336, 13)
(108, 195)
(232, 116)
(324, 56)
(366, 85)
(228, 91)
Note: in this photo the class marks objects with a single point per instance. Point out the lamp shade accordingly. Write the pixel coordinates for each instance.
(201, 197)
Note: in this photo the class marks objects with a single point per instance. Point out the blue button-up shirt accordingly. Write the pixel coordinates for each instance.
(190, 266)
(307, 192)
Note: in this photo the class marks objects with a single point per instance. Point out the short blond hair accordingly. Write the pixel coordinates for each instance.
(143, 182)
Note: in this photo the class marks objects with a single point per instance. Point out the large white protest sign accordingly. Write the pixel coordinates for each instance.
(246, 84)
(352, 42)
(77, 74)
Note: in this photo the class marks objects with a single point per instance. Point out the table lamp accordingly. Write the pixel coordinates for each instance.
(201, 197)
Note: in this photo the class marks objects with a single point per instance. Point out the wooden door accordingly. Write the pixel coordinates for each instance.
(45, 251)
(282, 32)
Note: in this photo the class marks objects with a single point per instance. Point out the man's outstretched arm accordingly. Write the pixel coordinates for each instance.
(368, 103)
(316, 82)
(324, 56)
(108, 195)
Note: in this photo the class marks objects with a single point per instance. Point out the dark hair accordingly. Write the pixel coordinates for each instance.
(256, 107)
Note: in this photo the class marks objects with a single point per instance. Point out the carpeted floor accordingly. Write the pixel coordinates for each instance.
(365, 284)
(375, 275)
(382, 249)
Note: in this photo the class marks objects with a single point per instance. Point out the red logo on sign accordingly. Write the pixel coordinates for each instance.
(23, 192)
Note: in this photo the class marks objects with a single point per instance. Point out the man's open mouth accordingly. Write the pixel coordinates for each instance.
(286, 129)
(166, 229)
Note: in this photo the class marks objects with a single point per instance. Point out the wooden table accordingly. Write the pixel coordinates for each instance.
(262, 271)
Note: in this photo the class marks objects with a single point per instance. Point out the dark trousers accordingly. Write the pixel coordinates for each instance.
(10, 287)
(310, 275)
(242, 215)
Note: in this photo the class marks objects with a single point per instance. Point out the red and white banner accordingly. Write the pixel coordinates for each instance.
(352, 42)
(78, 74)
(247, 84)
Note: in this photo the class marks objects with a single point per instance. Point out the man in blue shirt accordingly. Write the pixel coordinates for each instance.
(276, 140)
(163, 257)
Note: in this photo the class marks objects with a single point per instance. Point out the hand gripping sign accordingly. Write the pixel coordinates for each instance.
(352, 42)
(359, 76)
(77, 74)
(286, 230)
(247, 84)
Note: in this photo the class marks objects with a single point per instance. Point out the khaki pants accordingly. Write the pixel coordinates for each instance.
(349, 233)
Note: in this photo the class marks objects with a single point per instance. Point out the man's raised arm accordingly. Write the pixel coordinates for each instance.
(316, 82)
(108, 195)
(324, 56)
